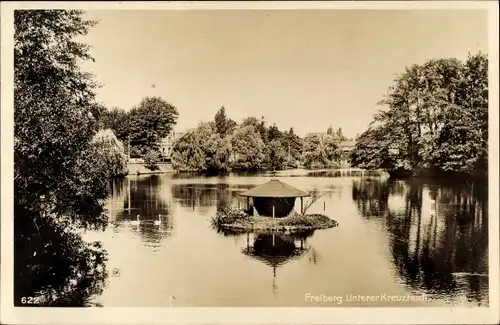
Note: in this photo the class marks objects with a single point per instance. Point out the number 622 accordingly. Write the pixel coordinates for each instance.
(30, 300)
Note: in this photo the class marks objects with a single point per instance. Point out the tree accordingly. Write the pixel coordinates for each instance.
(464, 137)
(117, 120)
(111, 151)
(273, 133)
(293, 144)
(435, 119)
(277, 155)
(371, 150)
(187, 154)
(248, 149)
(60, 178)
(331, 147)
(202, 149)
(150, 122)
(314, 156)
(215, 148)
(330, 131)
(258, 125)
(151, 159)
(222, 160)
(321, 152)
(223, 124)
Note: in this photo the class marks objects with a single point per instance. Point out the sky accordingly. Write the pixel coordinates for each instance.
(302, 69)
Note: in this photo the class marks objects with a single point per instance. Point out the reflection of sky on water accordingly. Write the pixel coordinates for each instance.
(390, 239)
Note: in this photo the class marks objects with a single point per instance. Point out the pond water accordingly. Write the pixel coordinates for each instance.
(392, 241)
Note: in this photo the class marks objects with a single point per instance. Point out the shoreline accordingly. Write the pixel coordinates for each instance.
(235, 220)
(166, 168)
(140, 169)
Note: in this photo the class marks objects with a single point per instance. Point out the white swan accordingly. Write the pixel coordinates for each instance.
(136, 222)
(158, 222)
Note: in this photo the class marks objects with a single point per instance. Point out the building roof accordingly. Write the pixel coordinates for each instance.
(275, 188)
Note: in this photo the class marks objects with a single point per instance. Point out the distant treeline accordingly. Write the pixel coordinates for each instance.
(141, 128)
(435, 121)
(223, 144)
(220, 144)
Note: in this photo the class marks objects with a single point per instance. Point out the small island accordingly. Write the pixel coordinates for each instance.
(271, 209)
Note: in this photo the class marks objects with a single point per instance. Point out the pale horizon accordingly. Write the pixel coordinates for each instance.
(302, 69)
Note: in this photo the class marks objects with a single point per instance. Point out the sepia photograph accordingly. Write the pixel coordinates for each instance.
(331, 160)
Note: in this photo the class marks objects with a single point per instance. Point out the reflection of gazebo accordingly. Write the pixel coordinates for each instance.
(276, 249)
(274, 198)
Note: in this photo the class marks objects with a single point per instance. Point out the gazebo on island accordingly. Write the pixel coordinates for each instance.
(274, 198)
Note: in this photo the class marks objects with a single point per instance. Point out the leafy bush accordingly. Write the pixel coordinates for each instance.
(227, 215)
(296, 220)
(111, 152)
(151, 160)
(308, 220)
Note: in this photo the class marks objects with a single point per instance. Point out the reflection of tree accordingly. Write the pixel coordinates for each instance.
(205, 195)
(117, 197)
(371, 196)
(277, 249)
(148, 198)
(441, 249)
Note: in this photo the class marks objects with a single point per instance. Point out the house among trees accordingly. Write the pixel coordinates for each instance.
(167, 143)
(346, 148)
(345, 145)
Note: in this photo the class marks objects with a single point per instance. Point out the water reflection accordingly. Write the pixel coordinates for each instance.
(196, 196)
(344, 173)
(144, 199)
(276, 249)
(403, 237)
(438, 233)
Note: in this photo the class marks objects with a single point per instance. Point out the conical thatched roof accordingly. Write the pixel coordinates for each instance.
(275, 188)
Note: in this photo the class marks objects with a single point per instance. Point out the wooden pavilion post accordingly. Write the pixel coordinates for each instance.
(301, 205)
(273, 209)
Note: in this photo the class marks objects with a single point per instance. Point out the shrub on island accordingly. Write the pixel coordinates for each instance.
(229, 218)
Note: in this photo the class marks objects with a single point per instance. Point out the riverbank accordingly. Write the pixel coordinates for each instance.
(437, 174)
(139, 168)
(232, 219)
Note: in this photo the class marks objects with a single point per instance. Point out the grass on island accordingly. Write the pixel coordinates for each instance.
(239, 219)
